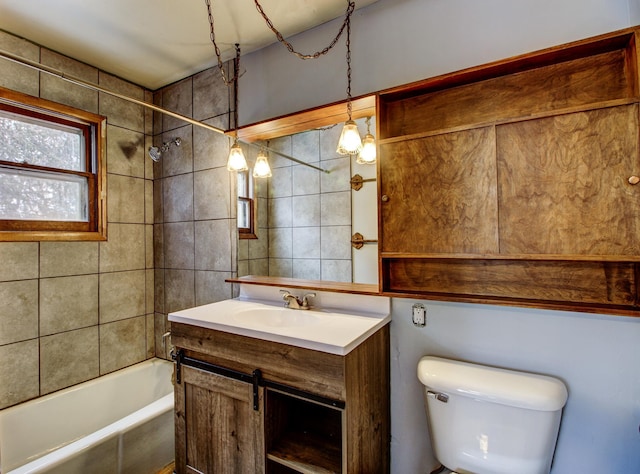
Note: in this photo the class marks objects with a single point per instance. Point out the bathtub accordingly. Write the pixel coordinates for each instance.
(119, 423)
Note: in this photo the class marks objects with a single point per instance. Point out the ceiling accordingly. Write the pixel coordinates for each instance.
(153, 43)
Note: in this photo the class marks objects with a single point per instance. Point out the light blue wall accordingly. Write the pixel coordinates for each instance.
(598, 357)
(399, 41)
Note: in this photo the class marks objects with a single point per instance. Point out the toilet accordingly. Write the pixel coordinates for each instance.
(487, 420)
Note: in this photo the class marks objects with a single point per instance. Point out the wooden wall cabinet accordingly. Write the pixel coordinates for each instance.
(516, 182)
(305, 411)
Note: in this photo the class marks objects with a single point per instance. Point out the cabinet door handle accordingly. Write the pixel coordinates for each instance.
(384, 198)
(633, 180)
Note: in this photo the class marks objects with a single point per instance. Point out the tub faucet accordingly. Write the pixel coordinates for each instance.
(294, 302)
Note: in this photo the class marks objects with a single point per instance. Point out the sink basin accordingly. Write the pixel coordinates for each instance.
(324, 329)
(276, 317)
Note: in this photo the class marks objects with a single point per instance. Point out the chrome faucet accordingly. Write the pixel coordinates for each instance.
(294, 302)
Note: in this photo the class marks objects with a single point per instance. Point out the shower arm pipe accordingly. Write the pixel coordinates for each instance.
(80, 82)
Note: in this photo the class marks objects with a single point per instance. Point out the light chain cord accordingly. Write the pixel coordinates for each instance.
(350, 7)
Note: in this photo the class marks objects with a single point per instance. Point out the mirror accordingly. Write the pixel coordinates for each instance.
(305, 218)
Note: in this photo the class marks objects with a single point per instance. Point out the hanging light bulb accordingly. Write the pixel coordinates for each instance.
(350, 142)
(236, 161)
(368, 153)
(262, 169)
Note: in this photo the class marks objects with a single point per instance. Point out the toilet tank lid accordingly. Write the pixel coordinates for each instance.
(503, 386)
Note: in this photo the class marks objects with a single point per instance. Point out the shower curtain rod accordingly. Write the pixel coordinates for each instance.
(95, 87)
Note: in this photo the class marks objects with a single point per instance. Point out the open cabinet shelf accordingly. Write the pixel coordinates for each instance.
(303, 435)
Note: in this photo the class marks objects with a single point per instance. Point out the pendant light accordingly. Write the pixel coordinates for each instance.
(349, 142)
(262, 169)
(367, 155)
(236, 160)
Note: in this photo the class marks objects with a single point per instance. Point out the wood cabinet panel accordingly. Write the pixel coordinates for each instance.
(600, 284)
(441, 193)
(556, 86)
(279, 362)
(218, 425)
(563, 184)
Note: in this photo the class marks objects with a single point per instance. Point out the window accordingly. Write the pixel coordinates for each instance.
(51, 179)
(246, 206)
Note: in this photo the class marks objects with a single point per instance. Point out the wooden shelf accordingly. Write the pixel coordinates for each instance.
(308, 453)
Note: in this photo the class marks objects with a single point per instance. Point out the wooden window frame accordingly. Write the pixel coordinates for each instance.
(246, 195)
(93, 128)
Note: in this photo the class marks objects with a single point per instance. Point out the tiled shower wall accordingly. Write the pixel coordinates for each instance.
(194, 197)
(72, 311)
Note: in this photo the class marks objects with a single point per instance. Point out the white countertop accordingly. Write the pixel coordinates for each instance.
(336, 331)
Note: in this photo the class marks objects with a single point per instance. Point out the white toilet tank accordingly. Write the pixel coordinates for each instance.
(486, 420)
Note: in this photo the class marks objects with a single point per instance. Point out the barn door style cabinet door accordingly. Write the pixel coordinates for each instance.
(517, 182)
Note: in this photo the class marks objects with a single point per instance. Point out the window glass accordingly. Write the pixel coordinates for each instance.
(35, 195)
(31, 140)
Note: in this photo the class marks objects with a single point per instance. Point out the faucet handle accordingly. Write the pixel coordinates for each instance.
(305, 299)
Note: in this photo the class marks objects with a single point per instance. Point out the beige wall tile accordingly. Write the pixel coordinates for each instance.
(210, 94)
(18, 311)
(306, 180)
(179, 246)
(281, 243)
(179, 290)
(149, 291)
(148, 162)
(335, 242)
(306, 268)
(151, 335)
(64, 92)
(259, 266)
(211, 287)
(68, 258)
(280, 212)
(335, 209)
(148, 201)
(16, 76)
(125, 152)
(121, 112)
(125, 249)
(148, 246)
(122, 343)
(281, 267)
(177, 98)
(306, 242)
(68, 303)
(158, 290)
(68, 358)
(306, 146)
(306, 210)
(177, 197)
(19, 260)
(210, 149)
(122, 295)
(125, 199)
(212, 194)
(336, 270)
(340, 177)
(178, 159)
(213, 240)
(148, 115)
(19, 372)
(161, 325)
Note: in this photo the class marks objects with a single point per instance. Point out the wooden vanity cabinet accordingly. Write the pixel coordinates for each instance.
(310, 412)
(516, 182)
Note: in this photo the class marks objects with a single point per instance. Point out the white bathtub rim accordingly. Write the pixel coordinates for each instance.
(131, 421)
(11, 417)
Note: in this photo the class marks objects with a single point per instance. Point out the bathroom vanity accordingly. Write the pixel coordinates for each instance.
(263, 388)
